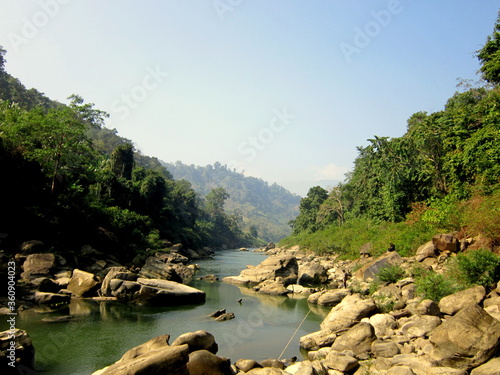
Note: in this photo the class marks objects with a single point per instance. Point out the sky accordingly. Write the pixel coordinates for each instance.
(280, 90)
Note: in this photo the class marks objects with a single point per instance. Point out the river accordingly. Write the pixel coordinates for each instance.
(102, 331)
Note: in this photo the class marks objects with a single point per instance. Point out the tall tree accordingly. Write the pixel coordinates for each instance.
(489, 56)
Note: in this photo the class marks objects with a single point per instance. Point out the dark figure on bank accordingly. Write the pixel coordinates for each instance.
(392, 247)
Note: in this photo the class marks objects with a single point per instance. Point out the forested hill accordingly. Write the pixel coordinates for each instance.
(267, 208)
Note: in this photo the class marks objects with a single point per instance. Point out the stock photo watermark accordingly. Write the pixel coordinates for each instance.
(139, 93)
(31, 26)
(363, 36)
(11, 316)
(221, 7)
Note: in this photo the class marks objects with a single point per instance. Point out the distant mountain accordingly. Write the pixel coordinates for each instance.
(268, 208)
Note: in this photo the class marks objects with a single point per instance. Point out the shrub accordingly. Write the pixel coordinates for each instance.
(391, 273)
(481, 267)
(434, 286)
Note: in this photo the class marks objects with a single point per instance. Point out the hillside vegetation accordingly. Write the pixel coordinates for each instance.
(265, 209)
(69, 181)
(443, 174)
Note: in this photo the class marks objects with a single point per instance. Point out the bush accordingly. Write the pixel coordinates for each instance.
(391, 273)
(434, 286)
(481, 267)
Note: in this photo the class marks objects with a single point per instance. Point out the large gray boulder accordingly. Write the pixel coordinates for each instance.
(38, 265)
(318, 339)
(272, 287)
(83, 284)
(341, 362)
(118, 273)
(347, 313)
(199, 340)
(457, 301)
(44, 298)
(446, 242)
(357, 339)
(427, 250)
(161, 266)
(166, 293)
(419, 325)
(329, 297)
(466, 340)
(203, 362)
(312, 273)
(284, 266)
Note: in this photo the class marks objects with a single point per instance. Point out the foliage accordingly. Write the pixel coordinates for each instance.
(309, 208)
(434, 286)
(489, 56)
(480, 267)
(391, 273)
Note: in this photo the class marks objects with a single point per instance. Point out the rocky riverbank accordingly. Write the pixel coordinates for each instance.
(382, 330)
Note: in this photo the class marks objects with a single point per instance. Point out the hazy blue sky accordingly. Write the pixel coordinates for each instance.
(284, 90)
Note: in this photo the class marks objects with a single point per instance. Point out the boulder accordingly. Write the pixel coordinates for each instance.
(237, 280)
(420, 325)
(494, 311)
(32, 247)
(383, 324)
(272, 363)
(371, 269)
(358, 339)
(161, 267)
(400, 370)
(203, 362)
(341, 362)
(198, 340)
(427, 250)
(157, 343)
(446, 242)
(246, 365)
(466, 340)
(299, 289)
(455, 302)
(347, 313)
(49, 285)
(318, 339)
(120, 273)
(384, 348)
(329, 297)
(284, 266)
(38, 265)
(492, 367)
(22, 354)
(159, 360)
(267, 371)
(82, 284)
(225, 316)
(166, 293)
(43, 298)
(312, 273)
(427, 307)
(272, 287)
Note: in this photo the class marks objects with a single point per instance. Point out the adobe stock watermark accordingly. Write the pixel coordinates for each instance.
(31, 26)
(250, 147)
(139, 93)
(363, 36)
(221, 7)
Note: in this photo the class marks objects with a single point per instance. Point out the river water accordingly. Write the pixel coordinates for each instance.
(102, 331)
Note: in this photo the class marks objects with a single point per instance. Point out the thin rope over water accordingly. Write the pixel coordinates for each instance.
(291, 338)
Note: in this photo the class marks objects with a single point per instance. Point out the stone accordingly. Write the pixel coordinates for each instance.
(427, 250)
(272, 287)
(311, 273)
(400, 370)
(444, 242)
(333, 297)
(23, 355)
(198, 340)
(166, 293)
(347, 313)
(494, 311)
(160, 266)
(386, 349)
(427, 307)
(267, 371)
(246, 365)
(38, 265)
(382, 323)
(272, 363)
(113, 271)
(318, 339)
(301, 368)
(159, 360)
(48, 285)
(43, 298)
(203, 362)
(358, 339)
(217, 313)
(341, 362)
(32, 246)
(225, 316)
(371, 269)
(420, 325)
(492, 367)
(466, 340)
(284, 266)
(82, 284)
(455, 302)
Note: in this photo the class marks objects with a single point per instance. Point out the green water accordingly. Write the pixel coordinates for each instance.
(102, 331)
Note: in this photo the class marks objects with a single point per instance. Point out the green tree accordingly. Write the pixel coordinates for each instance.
(489, 56)
(122, 161)
(309, 207)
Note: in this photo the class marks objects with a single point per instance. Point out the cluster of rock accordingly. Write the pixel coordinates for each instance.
(158, 282)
